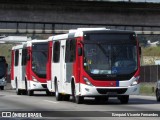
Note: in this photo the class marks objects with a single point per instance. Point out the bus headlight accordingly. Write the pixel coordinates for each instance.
(87, 81)
(136, 81)
(34, 79)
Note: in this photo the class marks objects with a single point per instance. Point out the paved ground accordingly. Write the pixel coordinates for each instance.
(9, 101)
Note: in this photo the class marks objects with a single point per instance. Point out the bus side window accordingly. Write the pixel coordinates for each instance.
(70, 54)
(56, 52)
(16, 57)
(24, 56)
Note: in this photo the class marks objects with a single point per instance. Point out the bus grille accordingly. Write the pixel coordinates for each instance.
(118, 91)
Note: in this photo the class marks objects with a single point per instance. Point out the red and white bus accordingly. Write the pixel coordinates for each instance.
(28, 67)
(94, 62)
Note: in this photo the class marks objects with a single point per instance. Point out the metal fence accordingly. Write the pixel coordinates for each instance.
(150, 73)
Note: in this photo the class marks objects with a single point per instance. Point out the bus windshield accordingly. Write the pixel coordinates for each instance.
(110, 54)
(39, 59)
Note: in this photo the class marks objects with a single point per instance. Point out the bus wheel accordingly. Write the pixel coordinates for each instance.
(124, 99)
(158, 95)
(66, 97)
(76, 98)
(18, 91)
(58, 95)
(24, 92)
(79, 99)
(30, 92)
(2, 87)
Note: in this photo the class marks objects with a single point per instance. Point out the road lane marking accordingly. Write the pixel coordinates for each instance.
(51, 101)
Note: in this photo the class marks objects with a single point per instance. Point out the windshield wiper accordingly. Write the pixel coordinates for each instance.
(103, 50)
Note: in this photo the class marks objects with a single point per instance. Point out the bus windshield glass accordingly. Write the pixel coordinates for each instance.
(39, 59)
(110, 54)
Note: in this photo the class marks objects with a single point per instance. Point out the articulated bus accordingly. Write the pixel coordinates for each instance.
(94, 62)
(28, 67)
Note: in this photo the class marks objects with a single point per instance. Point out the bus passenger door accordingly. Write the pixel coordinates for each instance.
(18, 68)
(20, 82)
(63, 67)
(70, 54)
(23, 66)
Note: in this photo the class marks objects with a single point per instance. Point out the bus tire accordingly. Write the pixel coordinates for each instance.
(124, 99)
(158, 95)
(30, 92)
(24, 92)
(57, 94)
(18, 91)
(2, 87)
(79, 99)
(66, 97)
(76, 98)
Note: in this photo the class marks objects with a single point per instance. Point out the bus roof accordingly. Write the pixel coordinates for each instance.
(79, 32)
(60, 37)
(18, 47)
(85, 29)
(28, 43)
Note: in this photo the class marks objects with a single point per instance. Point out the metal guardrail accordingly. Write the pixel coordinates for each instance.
(150, 73)
(50, 28)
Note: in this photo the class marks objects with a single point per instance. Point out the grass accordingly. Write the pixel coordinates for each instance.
(147, 89)
(5, 50)
(151, 51)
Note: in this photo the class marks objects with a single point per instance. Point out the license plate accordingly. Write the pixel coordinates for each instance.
(112, 93)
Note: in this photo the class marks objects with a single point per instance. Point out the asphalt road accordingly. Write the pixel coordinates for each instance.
(49, 108)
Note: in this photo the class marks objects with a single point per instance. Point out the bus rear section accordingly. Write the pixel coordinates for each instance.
(28, 71)
(97, 63)
(3, 72)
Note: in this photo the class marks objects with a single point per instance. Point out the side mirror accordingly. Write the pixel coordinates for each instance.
(79, 51)
(28, 57)
(140, 50)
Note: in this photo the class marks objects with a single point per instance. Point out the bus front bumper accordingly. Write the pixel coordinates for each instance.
(37, 86)
(86, 90)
